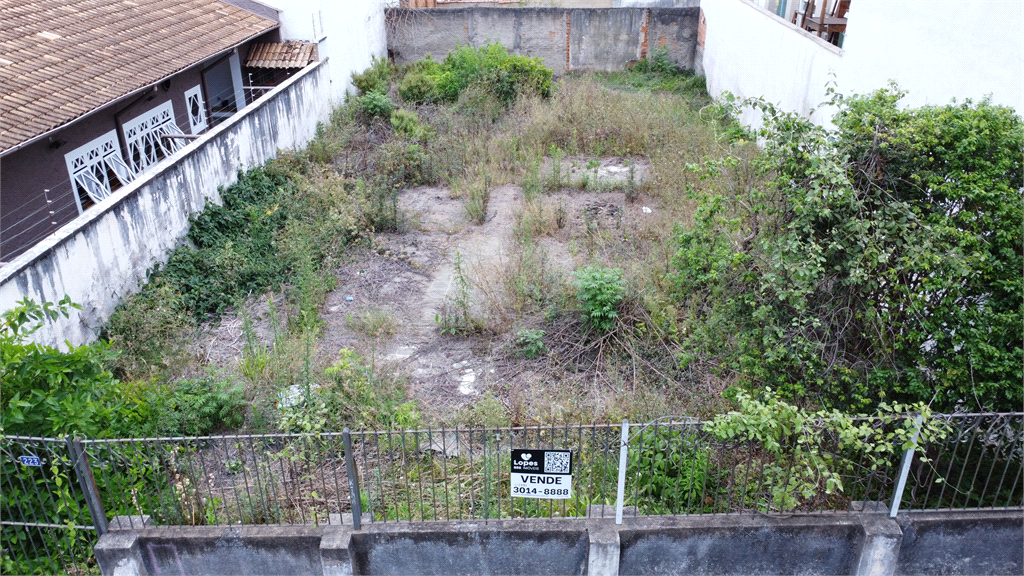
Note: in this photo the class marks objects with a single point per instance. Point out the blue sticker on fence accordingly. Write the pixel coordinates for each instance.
(30, 460)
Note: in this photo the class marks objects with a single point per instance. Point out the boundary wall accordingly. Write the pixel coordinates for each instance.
(598, 39)
(105, 254)
(949, 542)
(948, 50)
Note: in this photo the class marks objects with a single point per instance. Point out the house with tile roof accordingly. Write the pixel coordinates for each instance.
(93, 93)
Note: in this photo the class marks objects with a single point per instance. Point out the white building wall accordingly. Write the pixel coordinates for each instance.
(348, 33)
(751, 53)
(936, 50)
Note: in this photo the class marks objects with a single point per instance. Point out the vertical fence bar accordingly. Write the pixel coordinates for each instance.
(88, 484)
(353, 479)
(620, 491)
(908, 457)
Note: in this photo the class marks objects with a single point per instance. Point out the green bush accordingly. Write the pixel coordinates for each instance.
(375, 104)
(504, 74)
(48, 392)
(417, 87)
(599, 291)
(407, 122)
(672, 471)
(375, 78)
(880, 261)
(531, 342)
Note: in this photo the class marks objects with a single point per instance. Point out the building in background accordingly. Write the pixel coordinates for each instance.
(96, 93)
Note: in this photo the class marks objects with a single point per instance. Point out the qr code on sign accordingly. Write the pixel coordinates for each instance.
(556, 462)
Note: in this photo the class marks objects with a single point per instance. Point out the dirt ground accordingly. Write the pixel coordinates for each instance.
(407, 276)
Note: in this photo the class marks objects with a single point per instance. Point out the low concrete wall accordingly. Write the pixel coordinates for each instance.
(602, 39)
(506, 547)
(104, 254)
(971, 543)
(860, 543)
(743, 545)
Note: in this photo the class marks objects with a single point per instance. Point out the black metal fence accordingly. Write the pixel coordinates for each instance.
(52, 512)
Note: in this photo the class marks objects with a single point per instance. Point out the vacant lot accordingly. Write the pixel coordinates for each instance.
(439, 265)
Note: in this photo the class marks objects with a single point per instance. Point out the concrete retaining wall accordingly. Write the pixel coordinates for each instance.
(602, 39)
(861, 543)
(104, 254)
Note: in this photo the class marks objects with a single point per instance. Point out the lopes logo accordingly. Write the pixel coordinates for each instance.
(527, 456)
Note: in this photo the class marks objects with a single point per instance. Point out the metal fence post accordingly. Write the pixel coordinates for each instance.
(353, 479)
(620, 492)
(908, 458)
(87, 482)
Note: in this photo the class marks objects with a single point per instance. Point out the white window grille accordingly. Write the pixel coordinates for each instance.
(91, 165)
(143, 136)
(196, 109)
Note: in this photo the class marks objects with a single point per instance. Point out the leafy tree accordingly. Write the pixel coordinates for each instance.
(879, 260)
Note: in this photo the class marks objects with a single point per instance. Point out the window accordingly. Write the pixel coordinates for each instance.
(196, 109)
(144, 137)
(96, 168)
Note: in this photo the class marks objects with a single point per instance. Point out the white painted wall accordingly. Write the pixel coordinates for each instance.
(349, 33)
(104, 254)
(936, 50)
(751, 53)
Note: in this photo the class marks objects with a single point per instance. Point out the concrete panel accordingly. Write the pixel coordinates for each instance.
(412, 34)
(103, 255)
(605, 40)
(675, 29)
(742, 545)
(542, 33)
(961, 543)
(255, 550)
(531, 547)
(534, 32)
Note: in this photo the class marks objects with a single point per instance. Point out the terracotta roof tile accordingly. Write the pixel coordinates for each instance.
(281, 55)
(106, 49)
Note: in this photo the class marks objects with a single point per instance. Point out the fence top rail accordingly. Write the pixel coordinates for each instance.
(675, 421)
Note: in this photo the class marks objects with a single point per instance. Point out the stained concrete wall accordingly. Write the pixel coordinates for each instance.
(744, 545)
(104, 254)
(602, 39)
(472, 548)
(975, 543)
(860, 543)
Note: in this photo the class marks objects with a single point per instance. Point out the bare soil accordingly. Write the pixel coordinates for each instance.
(407, 276)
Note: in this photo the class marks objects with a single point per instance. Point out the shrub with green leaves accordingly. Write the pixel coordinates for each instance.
(375, 78)
(599, 291)
(417, 87)
(879, 261)
(407, 122)
(531, 342)
(375, 104)
(49, 392)
(504, 74)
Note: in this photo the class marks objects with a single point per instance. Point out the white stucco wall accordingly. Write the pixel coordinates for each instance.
(349, 33)
(105, 253)
(936, 50)
(751, 53)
